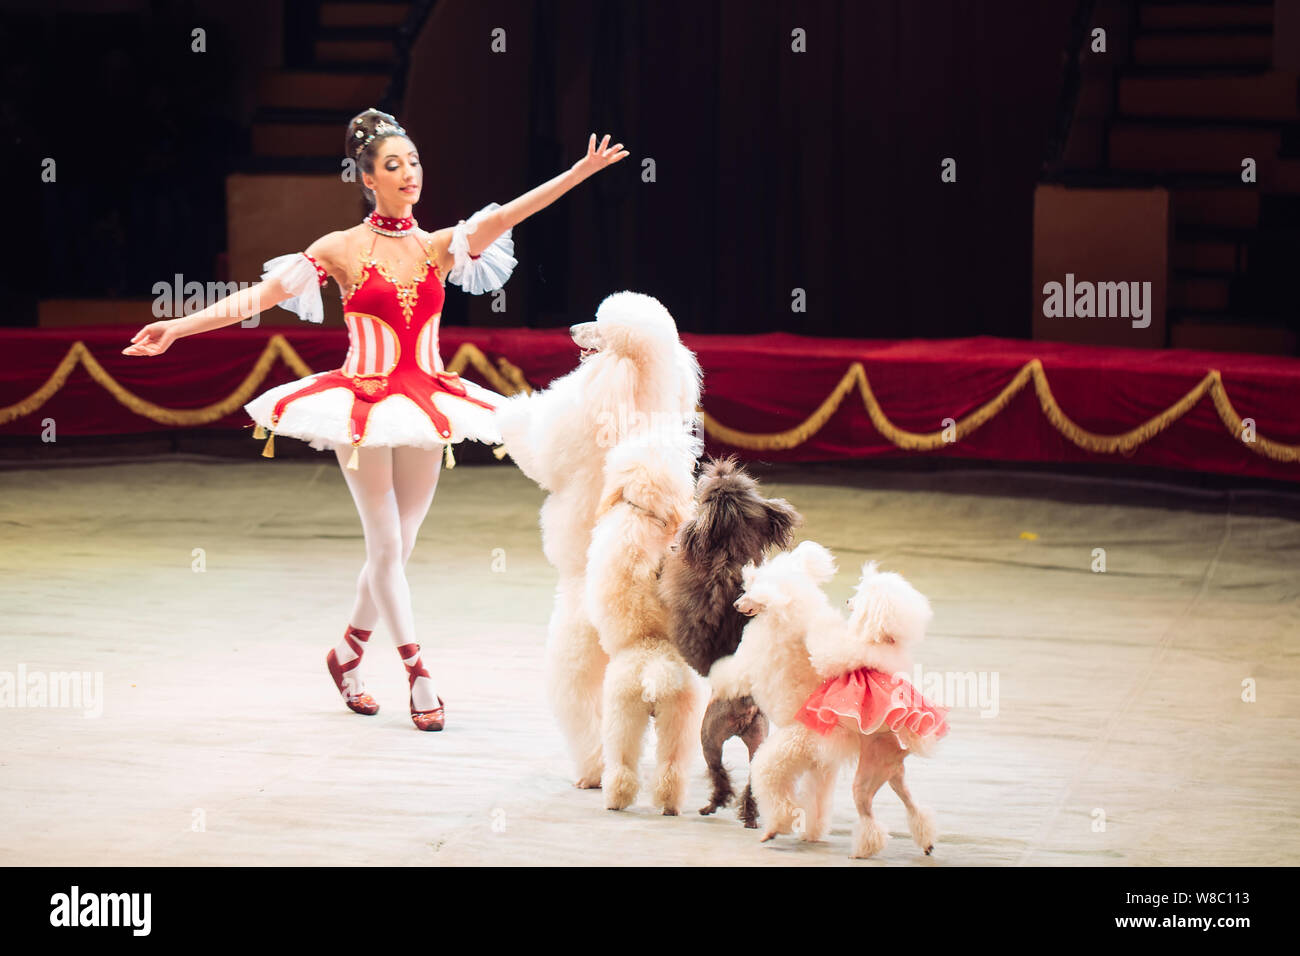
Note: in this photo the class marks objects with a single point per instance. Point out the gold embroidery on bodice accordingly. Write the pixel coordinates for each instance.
(408, 293)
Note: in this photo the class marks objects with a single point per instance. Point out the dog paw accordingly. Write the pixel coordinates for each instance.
(669, 791)
(923, 828)
(869, 838)
(748, 812)
(587, 783)
(717, 801)
(769, 835)
(620, 786)
(812, 836)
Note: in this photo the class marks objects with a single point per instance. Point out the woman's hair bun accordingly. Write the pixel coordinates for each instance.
(367, 127)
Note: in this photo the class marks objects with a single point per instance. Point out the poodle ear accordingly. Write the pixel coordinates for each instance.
(612, 381)
(817, 562)
(691, 383)
(699, 532)
(778, 598)
(680, 511)
(693, 539)
(781, 522)
(613, 494)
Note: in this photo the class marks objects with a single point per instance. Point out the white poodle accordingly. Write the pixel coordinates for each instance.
(831, 687)
(648, 494)
(635, 376)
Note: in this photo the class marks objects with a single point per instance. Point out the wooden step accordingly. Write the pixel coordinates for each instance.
(1225, 208)
(298, 139)
(353, 51)
(1200, 293)
(363, 14)
(321, 89)
(1205, 16)
(1192, 149)
(1240, 49)
(1221, 256)
(1266, 96)
(1228, 334)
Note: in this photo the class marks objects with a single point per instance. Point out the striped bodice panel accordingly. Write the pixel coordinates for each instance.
(376, 348)
(426, 347)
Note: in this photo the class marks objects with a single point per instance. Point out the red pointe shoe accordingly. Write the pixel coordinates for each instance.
(434, 719)
(358, 703)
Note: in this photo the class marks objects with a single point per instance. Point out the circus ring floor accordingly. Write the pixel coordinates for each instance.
(1116, 731)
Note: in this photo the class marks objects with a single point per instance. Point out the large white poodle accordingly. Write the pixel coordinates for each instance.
(830, 685)
(635, 376)
(648, 494)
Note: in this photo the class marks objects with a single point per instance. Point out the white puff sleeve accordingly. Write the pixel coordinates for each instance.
(491, 268)
(302, 279)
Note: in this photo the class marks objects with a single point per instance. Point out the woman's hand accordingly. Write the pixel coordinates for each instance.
(598, 158)
(520, 208)
(154, 339)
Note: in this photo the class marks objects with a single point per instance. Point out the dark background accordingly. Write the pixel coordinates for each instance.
(775, 170)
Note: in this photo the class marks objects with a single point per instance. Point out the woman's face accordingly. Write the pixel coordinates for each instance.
(398, 174)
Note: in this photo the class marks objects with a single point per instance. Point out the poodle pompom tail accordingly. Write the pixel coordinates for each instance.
(920, 746)
(660, 680)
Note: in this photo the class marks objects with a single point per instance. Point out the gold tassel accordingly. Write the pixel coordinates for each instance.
(259, 433)
(269, 450)
(449, 460)
(355, 461)
(500, 452)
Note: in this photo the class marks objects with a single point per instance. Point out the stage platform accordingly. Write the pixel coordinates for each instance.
(1113, 730)
(774, 397)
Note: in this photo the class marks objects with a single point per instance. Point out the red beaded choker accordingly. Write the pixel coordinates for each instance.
(390, 225)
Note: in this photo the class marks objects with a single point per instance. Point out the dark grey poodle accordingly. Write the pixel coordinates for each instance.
(733, 525)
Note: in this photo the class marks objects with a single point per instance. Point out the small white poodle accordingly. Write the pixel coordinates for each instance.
(648, 494)
(834, 690)
(635, 376)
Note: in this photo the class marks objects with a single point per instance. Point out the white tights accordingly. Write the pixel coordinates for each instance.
(392, 488)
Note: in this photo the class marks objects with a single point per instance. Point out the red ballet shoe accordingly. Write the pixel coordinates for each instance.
(434, 719)
(357, 703)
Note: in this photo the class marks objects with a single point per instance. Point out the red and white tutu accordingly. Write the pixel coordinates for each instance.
(873, 699)
(391, 389)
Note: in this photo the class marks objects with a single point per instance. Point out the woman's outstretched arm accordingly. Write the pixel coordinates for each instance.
(517, 210)
(156, 337)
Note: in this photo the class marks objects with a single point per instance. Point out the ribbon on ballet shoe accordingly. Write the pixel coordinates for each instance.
(354, 462)
(268, 451)
(449, 460)
(259, 433)
(499, 452)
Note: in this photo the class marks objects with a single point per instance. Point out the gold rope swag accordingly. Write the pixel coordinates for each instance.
(508, 379)
(1031, 371)
(277, 347)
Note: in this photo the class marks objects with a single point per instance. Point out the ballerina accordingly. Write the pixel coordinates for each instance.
(391, 412)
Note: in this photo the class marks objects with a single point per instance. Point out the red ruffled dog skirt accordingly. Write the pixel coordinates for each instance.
(873, 699)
